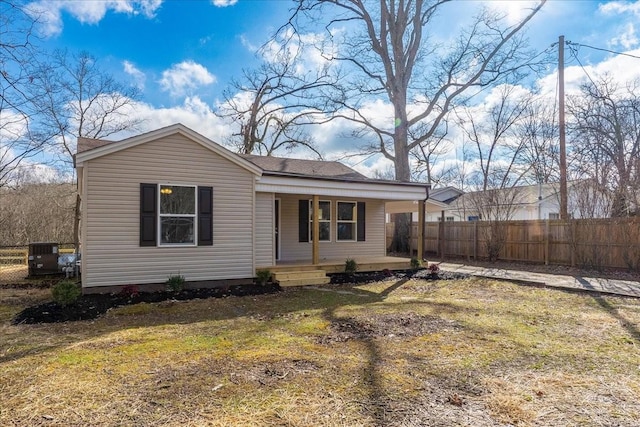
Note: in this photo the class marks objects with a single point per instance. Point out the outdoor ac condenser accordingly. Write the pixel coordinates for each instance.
(43, 258)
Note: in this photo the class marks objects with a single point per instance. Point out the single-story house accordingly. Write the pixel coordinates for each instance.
(172, 202)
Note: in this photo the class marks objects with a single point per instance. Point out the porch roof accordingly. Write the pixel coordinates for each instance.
(332, 187)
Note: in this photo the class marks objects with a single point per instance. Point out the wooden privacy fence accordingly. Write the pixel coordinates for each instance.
(598, 243)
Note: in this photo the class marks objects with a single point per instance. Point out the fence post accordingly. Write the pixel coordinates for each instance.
(574, 241)
(546, 241)
(441, 232)
(475, 240)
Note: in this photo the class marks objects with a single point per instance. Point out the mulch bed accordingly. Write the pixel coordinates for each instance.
(377, 276)
(91, 306)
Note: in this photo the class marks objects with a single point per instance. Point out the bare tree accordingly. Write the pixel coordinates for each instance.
(493, 134)
(389, 55)
(17, 50)
(538, 131)
(272, 107)
(492, 131)
(606, 140)
(76, 98)
(36, 212)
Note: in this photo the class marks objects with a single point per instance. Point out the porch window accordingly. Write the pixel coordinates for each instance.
(346, 220)
(324, 220)
(177, 215)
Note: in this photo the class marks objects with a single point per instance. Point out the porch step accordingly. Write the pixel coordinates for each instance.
(301, 278)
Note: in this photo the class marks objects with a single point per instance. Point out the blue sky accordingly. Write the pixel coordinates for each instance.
(183, 54)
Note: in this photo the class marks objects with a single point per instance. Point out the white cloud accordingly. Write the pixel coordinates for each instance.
(310, 50)
(620, 7)
(223, 3)
(246, 43)
(87, 12)
(193, 113)
(627, 39)
(137, 75)
(184, 77)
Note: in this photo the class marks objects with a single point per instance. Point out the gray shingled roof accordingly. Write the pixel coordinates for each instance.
(300, 167)
(275, 165)
(86, 144)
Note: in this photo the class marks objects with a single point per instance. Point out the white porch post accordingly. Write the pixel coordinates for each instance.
(315, 247)
(421, 229)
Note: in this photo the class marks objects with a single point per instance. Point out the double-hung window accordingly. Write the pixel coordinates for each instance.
(346, 221)
(177, 215)
(324, 220)
(350, 221)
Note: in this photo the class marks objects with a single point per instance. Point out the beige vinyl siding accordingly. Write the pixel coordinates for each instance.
(264, 230)
(292, 250)
(111, 251)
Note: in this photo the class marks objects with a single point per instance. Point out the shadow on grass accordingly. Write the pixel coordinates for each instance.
(377, 405)
(613, 311)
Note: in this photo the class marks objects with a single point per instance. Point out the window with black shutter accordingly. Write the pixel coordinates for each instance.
(176, 215)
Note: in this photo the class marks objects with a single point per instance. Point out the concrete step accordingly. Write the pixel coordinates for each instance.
(305, 274)
(304, 282)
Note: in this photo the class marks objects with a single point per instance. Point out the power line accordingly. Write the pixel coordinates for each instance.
(574, 52)
(603, 49)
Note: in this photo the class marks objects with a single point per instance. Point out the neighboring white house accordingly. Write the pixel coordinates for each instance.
(171, 202)
(530, 202)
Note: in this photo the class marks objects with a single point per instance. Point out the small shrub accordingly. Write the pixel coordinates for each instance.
(175, 283)
(416, 263)
(263, 276)
(434, 269)
(129, 291)
(350, 266)
(66, 292)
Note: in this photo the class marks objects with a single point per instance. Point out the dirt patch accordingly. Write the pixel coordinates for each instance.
(398, 325)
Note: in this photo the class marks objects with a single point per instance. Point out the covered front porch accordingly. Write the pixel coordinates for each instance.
(307, 227)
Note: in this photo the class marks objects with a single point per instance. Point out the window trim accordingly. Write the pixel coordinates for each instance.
(330, 221)
(354, 221)
(194, 216)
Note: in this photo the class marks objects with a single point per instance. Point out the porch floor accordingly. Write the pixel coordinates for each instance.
(337, 265)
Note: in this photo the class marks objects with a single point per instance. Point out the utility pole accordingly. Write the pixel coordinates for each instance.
(563, 149)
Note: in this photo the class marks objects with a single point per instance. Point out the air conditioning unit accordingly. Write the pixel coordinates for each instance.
(43, 258)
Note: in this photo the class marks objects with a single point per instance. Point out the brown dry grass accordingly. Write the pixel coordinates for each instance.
(471, 352)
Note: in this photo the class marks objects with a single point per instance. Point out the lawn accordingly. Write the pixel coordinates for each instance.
(396, 353)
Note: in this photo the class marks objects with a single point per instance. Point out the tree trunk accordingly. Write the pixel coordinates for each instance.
(402, 230)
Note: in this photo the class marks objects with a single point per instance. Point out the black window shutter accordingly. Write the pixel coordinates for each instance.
(361, 221)
(148, 214)
(205, 216)
(303, 220)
